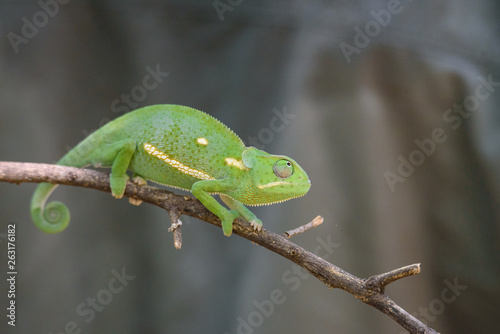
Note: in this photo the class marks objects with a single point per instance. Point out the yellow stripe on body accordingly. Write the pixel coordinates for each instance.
(235, 163)
(176, 164)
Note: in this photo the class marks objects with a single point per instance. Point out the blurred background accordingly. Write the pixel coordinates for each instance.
(391, 108)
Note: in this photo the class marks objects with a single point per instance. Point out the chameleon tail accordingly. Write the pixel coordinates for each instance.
(51, 218)
(54, 217)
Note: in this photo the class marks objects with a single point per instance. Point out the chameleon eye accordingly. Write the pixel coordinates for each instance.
(283, 169)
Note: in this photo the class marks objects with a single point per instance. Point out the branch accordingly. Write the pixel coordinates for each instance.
(301, 229)
(371, 290)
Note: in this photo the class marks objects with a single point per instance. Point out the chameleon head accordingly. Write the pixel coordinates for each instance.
(271, 178)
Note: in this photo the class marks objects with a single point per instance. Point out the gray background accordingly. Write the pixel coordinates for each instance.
(352, 119)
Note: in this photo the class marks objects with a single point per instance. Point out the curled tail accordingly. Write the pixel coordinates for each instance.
(54, 217)
(103, 147)
(51, 218)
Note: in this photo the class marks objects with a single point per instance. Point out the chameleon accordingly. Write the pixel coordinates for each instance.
(184, 148)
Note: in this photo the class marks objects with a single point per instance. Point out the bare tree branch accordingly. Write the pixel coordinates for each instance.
(301, 229)
(175, 228)
(371, 290)
(382, 280)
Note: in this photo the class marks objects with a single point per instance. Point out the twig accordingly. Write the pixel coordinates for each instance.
(370, 291)
(301, 229)
(382, 280)
(175, 228)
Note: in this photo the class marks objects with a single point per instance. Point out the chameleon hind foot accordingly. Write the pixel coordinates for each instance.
(135, 201)
(138, 181)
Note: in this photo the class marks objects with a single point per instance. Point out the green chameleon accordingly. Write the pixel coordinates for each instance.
(183, 148)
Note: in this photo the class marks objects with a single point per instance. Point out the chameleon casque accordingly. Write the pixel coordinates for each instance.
(185, 148)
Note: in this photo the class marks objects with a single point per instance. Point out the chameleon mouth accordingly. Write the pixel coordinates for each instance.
(306, 185)
(273, 184)
(283, 183)
(275, 202)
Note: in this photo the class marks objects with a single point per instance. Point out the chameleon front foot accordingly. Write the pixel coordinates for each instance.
(118, 185)
(227, 222)
(256, 224)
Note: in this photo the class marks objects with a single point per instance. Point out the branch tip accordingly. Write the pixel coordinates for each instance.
(301, 229)
(175, 228)
(382, 280)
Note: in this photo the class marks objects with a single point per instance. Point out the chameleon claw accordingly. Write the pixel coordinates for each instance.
(117, 196)
(227, 228)
(256, 224)
(139, 181)
(134, 201)
(227, 223)
(118, 185)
